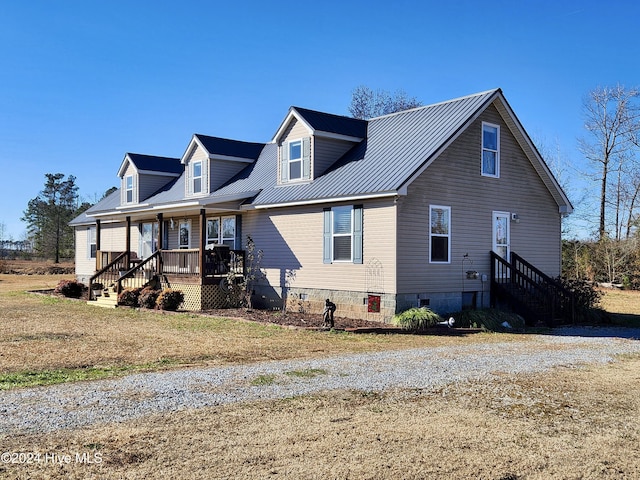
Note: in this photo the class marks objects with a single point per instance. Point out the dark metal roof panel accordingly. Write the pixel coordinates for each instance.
(156, 164)
(230, 148)
(327, 122)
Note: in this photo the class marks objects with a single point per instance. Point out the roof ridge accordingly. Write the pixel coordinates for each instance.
(457, 99)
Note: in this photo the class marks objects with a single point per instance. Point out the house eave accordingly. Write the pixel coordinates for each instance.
(337, 136)
(317, 201)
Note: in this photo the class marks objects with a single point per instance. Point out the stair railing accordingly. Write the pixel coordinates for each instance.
(140, 280)
(108, 274)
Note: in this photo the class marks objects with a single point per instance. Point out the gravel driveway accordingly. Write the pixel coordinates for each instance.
(46, 409)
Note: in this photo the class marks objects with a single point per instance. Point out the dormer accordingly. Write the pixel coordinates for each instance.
(309, 142)
(210, 162)
(143, 175)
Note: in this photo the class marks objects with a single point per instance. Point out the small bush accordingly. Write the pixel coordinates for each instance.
(586, 295)
(129, 297)
(70, 288)
(416, 319)
(489, 319)
(170, 299)
(148, 297)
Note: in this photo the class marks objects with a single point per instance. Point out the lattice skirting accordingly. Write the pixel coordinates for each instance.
(200, 297)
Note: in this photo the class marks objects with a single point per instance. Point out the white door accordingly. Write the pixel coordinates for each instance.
(501, 234)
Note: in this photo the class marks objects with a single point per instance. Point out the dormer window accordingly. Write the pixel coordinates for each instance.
(197, 177)
(129, 188)
(295, 160)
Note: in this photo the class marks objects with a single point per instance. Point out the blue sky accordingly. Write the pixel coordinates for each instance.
(84, 82)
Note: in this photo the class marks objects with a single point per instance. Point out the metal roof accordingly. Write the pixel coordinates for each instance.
(230, 148)
(397, 148)
(156, 164)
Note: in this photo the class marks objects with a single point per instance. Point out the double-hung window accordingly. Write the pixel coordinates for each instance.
(295, 160)
(439, 234)
(128, 188)
(91, 241)
(343, 234)
(222, 230)
(197, 177)
(490, 150)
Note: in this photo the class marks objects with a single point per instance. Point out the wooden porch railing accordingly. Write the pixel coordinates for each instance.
(529, 291)
(110, 273)
(218, 262)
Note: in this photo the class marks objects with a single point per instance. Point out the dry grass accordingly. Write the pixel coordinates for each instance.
(565, 424)
(44, 333)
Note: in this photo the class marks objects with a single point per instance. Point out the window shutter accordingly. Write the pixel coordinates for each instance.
(306, 158)
(326, 240)
(205, 175)
(188, 187)
(284, 165)
(238, 239)
(357, 233)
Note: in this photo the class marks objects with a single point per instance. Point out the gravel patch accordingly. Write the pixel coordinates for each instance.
(66, 406)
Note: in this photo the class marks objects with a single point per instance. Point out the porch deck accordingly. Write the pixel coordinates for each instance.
(206, 267)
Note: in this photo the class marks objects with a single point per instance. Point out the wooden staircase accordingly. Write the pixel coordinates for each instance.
(530, 293)
(107, 299)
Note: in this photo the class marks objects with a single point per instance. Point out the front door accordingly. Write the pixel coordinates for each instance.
(501, 234)
(148, 239)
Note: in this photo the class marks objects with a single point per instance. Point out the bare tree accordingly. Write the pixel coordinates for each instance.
(612, 117)
(368, 103)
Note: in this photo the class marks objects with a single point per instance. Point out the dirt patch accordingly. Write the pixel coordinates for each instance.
(292, 319)
(34, 267)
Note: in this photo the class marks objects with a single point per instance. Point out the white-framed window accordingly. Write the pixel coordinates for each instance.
(197, 177)
(341, 234)
(91, 242)
(490, 150)
(222, 230)
(343, 227)
(295, 160)
(128, 182)
(184, 234)
(439, 234)
(148, 239)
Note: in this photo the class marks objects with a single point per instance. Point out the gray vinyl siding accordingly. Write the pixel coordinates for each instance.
(454, 180)
(325, 153)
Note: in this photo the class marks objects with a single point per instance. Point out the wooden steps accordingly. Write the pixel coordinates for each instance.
(108, 299)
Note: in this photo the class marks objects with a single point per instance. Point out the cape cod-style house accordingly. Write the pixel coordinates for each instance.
(440, 206)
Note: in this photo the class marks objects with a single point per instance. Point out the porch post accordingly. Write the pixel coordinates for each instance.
(160, 240)
(98, 247)
(203, 240)
(127, 241)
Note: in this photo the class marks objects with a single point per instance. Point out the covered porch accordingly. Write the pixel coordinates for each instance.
(209, 265)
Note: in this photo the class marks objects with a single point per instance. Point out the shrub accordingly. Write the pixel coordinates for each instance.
(148, 297)
(129, 297)
(416, 319)
(490, 319)
(170, 299)
(70, 288)
(585, 292)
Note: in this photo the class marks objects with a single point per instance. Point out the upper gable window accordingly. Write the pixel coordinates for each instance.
(197, 177)
(128, 188)
(490, 150)
(295, 160)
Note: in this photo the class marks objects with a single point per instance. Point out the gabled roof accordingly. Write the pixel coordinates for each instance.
(399, 147)
(151, 164)
(394, 151)
(225, 148)
(325, 124)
